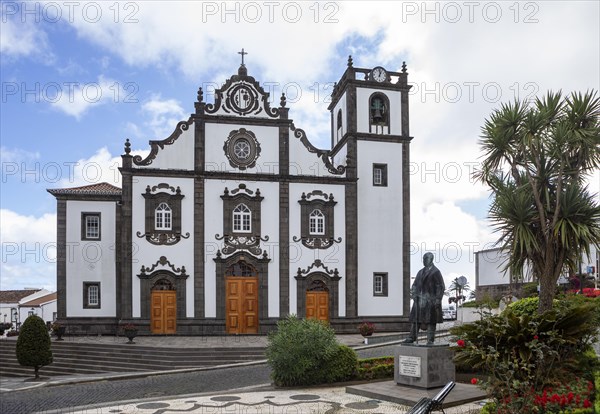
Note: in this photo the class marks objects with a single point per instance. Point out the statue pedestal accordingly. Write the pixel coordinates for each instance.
(423, 366)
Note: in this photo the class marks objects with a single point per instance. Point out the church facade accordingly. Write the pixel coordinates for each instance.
(237, 220)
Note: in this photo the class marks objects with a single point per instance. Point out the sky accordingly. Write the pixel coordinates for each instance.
(78, 78)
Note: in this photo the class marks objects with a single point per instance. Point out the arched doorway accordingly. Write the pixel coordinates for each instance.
(163, 316)
(241, 298)
(317, 301)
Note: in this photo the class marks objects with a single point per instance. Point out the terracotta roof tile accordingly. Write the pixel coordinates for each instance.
(13, 296)
(40, 301)
(93, 189)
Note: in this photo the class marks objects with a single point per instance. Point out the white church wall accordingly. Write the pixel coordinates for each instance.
(340, 156)
(147, 254)
(90, 260)
(214, 225)
(302, 257)
(379, 229)
(362, 110)
(179, 155)
(341, 104)
(303, 162)
(267, 136)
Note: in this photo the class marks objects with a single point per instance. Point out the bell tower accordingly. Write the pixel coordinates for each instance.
(370, 132)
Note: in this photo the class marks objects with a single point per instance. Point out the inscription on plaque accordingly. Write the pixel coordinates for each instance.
(410, 366)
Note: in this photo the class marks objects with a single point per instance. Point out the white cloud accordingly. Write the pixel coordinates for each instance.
(28, 250)
(75, 101)
(24, 39)
(17, 155)
(100, 167)
(164, 115)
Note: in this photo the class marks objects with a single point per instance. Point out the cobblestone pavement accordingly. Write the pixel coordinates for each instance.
(64, 398)
(303, 400)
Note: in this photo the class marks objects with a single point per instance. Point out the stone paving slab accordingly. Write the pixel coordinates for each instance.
(272, 401)
(400, 394)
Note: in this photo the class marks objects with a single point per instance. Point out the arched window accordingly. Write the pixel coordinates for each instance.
(163, 217)
(340, 132)
(242, 217)
(379, 116)
(316, 222)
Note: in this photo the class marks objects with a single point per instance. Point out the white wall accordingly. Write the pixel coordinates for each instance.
(362, 111)
(267, 136)
(179, 155)
(379, 228)
(302, 257)
(89, 260)
(147, 254)
(45, 311)
(490, 263)
(214, 225)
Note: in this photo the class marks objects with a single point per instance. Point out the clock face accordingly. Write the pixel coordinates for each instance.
(379, 74)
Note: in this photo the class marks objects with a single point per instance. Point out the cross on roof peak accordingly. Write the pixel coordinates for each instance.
(242, 53)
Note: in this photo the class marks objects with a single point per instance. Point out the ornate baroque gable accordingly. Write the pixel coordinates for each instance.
(242, 95)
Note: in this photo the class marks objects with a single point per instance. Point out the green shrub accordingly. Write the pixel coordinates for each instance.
(299, 349)
(523, 350)
(529, 289)
(376, 368)
(342, 365)
(33, 345)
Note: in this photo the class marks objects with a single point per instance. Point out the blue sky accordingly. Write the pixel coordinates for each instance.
(80, 77)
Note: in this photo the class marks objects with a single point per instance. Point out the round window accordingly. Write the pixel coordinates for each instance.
(242, 149)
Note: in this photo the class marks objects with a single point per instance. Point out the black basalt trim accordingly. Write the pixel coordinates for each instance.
(199, 262)
(406, 228)
(61, 258)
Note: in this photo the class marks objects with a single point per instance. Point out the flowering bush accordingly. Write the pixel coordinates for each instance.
(529, 351)
(366, 328)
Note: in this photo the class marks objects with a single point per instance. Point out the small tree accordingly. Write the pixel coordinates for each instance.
(536, 159)
(33, 345)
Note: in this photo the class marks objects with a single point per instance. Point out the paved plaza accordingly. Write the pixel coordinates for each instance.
(238, 388)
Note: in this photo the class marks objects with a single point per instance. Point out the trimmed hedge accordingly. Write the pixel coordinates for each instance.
(33, 345)
(306, 352)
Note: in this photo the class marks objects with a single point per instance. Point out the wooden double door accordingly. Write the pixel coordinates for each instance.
(241, 305)
(317, 305)
(163, 319)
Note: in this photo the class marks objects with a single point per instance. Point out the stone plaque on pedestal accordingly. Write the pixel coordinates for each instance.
(423, 366)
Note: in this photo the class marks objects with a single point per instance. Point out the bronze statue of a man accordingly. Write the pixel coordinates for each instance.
(427, 292)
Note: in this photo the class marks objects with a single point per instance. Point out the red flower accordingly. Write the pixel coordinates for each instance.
(587, 403)
(536, 337)
(460, 343)
(473, 381)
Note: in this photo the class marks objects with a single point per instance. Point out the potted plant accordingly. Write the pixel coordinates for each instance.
(130, 331)
(4, 327)
(58, 330)
(366, 329)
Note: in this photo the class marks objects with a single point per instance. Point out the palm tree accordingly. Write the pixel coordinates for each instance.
(458, 290)
(536, 160)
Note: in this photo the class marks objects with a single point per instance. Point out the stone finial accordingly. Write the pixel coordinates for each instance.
(350, 61)
(200, 94)
(283, 100)
(403, 67)
(127, 147)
